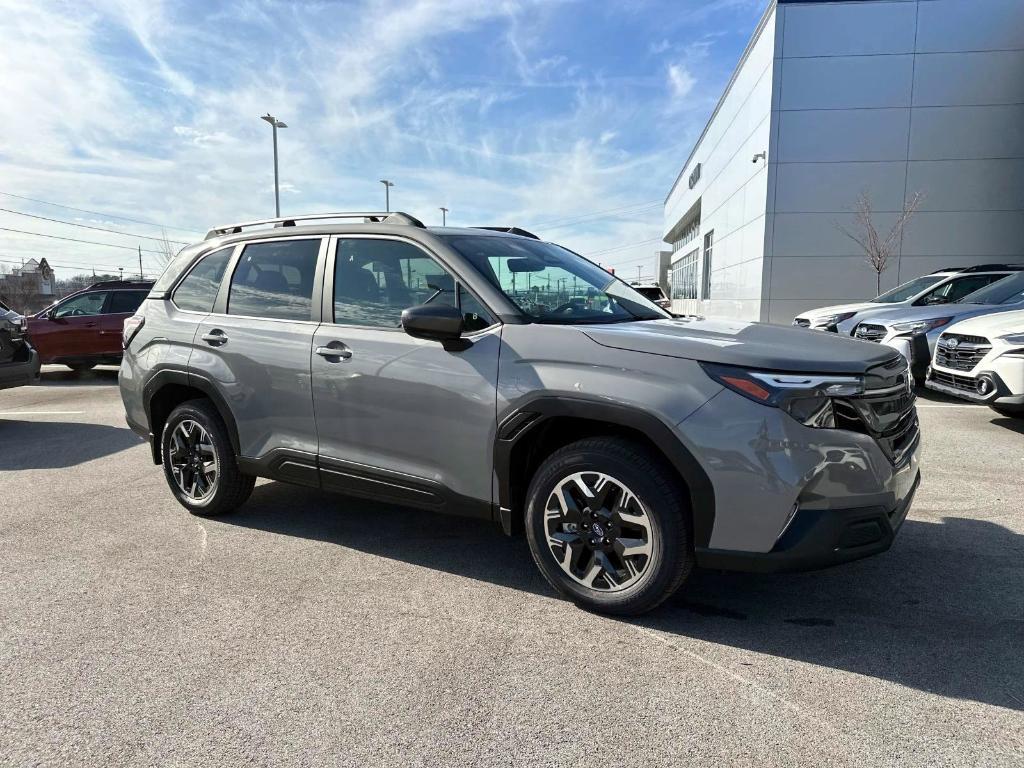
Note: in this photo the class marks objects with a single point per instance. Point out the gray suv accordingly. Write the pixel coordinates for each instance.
(483, 372)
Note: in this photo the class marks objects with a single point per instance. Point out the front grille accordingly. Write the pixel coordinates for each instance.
(885, 411)
(964, 383)
(870, 332)
(961, 352)
(803, 322)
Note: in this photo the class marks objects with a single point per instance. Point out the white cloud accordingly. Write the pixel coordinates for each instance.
(680, 81)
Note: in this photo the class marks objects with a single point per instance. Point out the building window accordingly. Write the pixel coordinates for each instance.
(688, 235)
(709, 239)
(684, 276)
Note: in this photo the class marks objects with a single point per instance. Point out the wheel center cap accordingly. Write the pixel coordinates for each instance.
(597, 529)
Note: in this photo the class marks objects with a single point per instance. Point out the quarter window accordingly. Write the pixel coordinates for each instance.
(198, 290)
(86, 305)
(375, 279)
(275, 280)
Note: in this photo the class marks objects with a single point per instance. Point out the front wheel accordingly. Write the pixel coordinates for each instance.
(199, 462)
(608, 526)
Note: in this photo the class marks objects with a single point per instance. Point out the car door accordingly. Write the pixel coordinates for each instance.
(121, 306)
(400, 418)
(70, 330)
(255, 348)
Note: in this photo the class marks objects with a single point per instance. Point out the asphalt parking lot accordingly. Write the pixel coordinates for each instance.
(315, 630)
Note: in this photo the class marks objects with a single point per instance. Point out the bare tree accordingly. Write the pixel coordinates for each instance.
(878, 248)
(165, 251)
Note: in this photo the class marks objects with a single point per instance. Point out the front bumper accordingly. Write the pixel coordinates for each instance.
(821, 538)
(963, 385)
(21, 373)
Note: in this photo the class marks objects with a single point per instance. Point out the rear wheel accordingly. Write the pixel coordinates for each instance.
(608, 526)
(199, 462)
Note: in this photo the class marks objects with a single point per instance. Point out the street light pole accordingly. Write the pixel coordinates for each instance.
(387, 194)
(275, 124)
(444, 216)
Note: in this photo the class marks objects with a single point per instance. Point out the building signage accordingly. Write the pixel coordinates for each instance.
(694, 175)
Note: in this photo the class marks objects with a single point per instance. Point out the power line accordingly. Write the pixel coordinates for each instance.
(99, 213)
(565, 221)
(624, 247)
(88, 226)
(107, 268)
(76, 240)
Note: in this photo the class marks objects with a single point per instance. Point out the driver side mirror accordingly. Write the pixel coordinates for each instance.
(932, 300)
(52, 315)
(435, 322)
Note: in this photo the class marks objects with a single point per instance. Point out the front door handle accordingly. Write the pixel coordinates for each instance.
(215, 338)
(339, 351)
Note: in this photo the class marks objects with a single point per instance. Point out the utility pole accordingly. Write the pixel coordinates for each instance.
(638, 273)
(141, 276)
(444, 216)
(275, 123)
(387, 194)
(120, 273)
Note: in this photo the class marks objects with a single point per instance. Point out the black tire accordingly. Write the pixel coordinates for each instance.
(81, 367)
(647, 477)
(231, 488)
(1011, 412)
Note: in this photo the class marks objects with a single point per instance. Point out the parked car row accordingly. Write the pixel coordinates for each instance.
(970, 347)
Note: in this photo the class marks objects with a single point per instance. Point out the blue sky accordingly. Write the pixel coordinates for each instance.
(539, 114)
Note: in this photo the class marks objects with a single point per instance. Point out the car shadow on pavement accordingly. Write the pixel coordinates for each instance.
(1014, 425)
(943, 611)
(61, 376)
(58, 444)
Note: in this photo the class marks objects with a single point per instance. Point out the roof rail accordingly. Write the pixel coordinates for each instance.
(511, 231)
(947, 269)
(122, 284)
(387, 217)
(993, 267)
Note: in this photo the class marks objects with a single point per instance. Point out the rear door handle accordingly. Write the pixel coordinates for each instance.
(339, 351)
(215, 338)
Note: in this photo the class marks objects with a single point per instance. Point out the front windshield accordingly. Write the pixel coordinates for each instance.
(552, 284)
(1009, 290)
(908, 290)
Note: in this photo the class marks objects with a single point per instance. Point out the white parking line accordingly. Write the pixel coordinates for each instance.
(41, 413)
(944, 405)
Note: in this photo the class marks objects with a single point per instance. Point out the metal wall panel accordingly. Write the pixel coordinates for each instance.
(822, 279)
(982, 77)
(830, 187)
(970, 25)
(840, 29)
(965, 234)
(845, 82)
(969, 185)
(819, 234)
(959, 133)
(846, 134)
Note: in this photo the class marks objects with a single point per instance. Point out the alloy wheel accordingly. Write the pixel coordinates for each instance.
(193, 461)
(598, 531)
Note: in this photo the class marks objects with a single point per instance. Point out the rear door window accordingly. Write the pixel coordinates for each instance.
(125, 302)
(275, 280)
(198, 291)
(959, 287)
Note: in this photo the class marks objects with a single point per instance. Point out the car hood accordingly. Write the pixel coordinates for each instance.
(837, 309)
(991, 324)
(954, 310)
(751, 345)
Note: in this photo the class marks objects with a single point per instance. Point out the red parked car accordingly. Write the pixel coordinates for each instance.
(84, 329)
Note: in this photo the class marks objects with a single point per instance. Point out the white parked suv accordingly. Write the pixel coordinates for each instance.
(940, 287)
(982, 359)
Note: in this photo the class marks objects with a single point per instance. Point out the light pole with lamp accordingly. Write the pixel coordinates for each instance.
(275, 123)
(387, 194)
(444, 216)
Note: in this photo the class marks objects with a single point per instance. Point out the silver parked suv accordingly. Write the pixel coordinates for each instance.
(486, 373)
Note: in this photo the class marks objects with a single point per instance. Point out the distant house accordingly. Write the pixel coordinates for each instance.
(30, 287)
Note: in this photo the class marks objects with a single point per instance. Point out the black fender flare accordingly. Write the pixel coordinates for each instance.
(526, 417)
(193, 381)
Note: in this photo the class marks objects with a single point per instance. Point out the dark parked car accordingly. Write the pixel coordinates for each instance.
(84, 329)
(19, 363)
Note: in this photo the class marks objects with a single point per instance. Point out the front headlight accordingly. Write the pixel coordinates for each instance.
(1012, 338)
(805, 397)
(921, 326)
(834, 319)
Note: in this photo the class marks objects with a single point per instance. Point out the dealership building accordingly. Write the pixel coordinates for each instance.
(834, 101)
